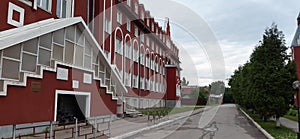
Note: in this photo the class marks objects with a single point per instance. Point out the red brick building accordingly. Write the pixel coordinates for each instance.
(96, 57)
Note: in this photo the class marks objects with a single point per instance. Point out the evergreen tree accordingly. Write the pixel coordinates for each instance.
(264, 83)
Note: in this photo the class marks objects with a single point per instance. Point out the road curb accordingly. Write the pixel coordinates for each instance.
(258, 126)
(150, 127)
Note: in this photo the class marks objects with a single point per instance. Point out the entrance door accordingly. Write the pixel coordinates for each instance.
(69, 104)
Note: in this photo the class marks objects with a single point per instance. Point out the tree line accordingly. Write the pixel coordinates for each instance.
(264, 83)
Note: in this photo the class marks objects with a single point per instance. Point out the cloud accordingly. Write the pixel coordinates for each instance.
(237, 26)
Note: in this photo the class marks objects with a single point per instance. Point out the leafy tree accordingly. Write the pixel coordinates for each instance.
(184, 82)
(200, 93)
(228, 96)
(264, 83)
(217, 87)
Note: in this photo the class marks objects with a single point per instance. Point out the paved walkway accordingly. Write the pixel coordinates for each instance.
(124, 126)
(289, 124)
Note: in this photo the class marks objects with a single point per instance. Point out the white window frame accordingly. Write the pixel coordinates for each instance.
(128, 79)
(128, 50)
(128, 25)
(129, 3)
(142, 37)
(142, 57)
(135, 81)
(40, 4)
(147, 41)
(147, 61)
(142, 82)
(135, 55)
(142, 15)
(107, 25)
(118, 46)
(69, 8)
(119, 17)
(153, 46)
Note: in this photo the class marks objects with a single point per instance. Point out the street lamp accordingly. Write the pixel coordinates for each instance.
(296, 85)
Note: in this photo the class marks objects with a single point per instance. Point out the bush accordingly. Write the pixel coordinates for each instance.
(292, 112)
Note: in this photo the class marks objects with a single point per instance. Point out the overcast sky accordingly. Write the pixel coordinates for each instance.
(237, 26)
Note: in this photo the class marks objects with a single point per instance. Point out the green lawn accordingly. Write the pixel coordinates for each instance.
(294, 118)
(184, 109)
(270, 127)
(278, 133)
(164, 111)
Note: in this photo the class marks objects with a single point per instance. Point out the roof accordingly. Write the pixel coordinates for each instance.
(296, 40)
(17, 35)
(187, 90)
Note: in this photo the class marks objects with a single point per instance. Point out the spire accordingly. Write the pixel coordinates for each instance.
(168, 29)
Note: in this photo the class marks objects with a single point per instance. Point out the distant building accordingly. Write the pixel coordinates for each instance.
(83, 58)
(186, 95)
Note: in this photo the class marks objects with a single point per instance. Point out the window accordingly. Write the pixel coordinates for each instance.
(107, 25)
(148, 22)
(64, 8)
(135, 55)
(129, 3)
(127, 50)
(142, 15)
(147, 61)
(152, 27)
(45, 4)
(160, 51)
(147, 85)
(142, 83)
(142, 59)
(136, 8)
(118, 46)
(135, 81)
(128, 79)
(153, 45)
(128, 26)
(147, 41)
(168, 43)
(142, 37)
(136, 31)
(119, 17)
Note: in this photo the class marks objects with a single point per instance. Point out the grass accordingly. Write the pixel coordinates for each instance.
(164, 111)
(184, 109)
(293, 118)
(270, 126)
(277, 133)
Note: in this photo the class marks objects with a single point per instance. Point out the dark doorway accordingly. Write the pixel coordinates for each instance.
(70, 106)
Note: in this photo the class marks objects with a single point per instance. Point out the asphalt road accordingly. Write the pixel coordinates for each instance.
(221, 122)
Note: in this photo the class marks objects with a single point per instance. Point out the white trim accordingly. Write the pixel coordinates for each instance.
(88, 101)
(11, 8)
(75, 84)
(62, 74)
(87, 78)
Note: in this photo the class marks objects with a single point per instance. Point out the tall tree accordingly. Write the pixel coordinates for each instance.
(264, 83)
(200, 93)
(217, 87)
